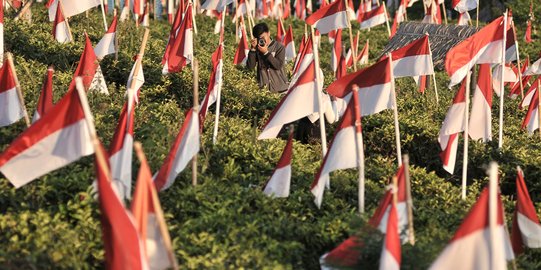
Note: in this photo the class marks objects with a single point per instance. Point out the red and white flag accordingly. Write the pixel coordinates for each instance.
(300, 9)
(289, 43)
(483, 47)
(526, 231)
(90, 71)
(349, 55)
(414, 59)
(144, 19)
(433, 13)
(280, 32)
(464, 18)
(471, 246)
(148, 215)
(304, 58)
(528, 97)
(60, 28)
(300, 101)
(123, 247)
(531, 99)
(71, 7)
(516, 87)
(344, 255)
(1, 31)
(184, 148)
(480, 126)
(330, 17)
(342, 152)
(214, 83)
(534, 69)
(364, 55)
(452, 125)
(391, 252)
(45, 101)
(528, 32)
(107, 43)
(509, 77)
(279, 183)
(43, 146)
(138, 7)
(372, 18)
(336, 51)
(179, 50)
(342, 67)
(375, 87)
(463, 6)
(242, 9)
(241, 55)
(218, 5)
(11, 110)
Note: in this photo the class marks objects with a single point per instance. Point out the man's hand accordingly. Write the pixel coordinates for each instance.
(263, 49)
(253, 43)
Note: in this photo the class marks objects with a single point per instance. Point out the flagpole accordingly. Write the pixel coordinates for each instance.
(360, 148)
(466, 138)
(115, 13)
(25, 8)
(195, 64)
(433, 74)
(409, 200)
(103, 15)
(444, 11)
(477, 17)
(193, 18)
(394, 190)
(518, 61)
(387, 19)
(319, 97)
(66, 19)
(218, 95)
(9, 57)
(538, 105)
(89, 119)
(158, 210)
(395, 110)
(351, 37)
(502, 90)
(492, 211)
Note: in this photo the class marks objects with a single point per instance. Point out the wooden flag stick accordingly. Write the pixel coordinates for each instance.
(9, 57)
(434, 74)
(466, 138)
(193, 18)
(387, 19)
(319, 96)
(444, 11)
(25, 8)
(103, 15)
(351, 40)
(66, 18)
(502, 90)
(360, 148)
(493, 211)
(158, 211)
(395, 110)
(409, 200)
(218, 97)
(139, 59)
(518, 61)
(195, 64)
(477, 17)
(394, 190)
(538, 105)
(116, 36)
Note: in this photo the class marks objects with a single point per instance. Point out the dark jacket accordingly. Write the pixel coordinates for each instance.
(270, 67)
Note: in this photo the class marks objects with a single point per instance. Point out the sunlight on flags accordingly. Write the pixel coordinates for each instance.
(12, 109)
(330, 17)
(526, 230)
(71, 7)
(45, 101)
(106, 45)
(179, 49)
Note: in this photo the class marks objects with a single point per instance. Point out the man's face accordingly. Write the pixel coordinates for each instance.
(266, 37)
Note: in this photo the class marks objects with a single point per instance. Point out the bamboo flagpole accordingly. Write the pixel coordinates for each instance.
(538, 105)
(103, 14)
(493, 213)
(466, 138)
(502, 90)
(395, 111)
(360, 148)
(444, 11)
(158, 211)
(518, 60)
(66, 18)
(387, 19)
(218, 94)
(9, 57)
(351, 37)
(319, 97)
(195, 64)
(434, 74)
(25, 8)
(409, 200)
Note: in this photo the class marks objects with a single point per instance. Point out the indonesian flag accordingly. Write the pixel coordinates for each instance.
(139, 80)
(144, 19)
(483, 47)
(526, 231)
(515, 88)
(381, 216)
(287, 9)
(123, 247)
(304, 59)
(391, 253)
(218, 5)
(148, 215)
(280, 32)
(336, 51)
(1, 31)
(433, 14)
(60, 28)
(528, 33)
(170, 10)
(344, 255)
(241, 55)
(45, 101)
(452, 125)
(300, 101)
(531, 120)
(330, 17)
(125, 13)
(480, 126)
(214, 83)
(463, 6)
(528, 97)
(375, 87)
(342, 152)
(180, 52)
(184, 148)
(471, 246)
(138, 7)
(90, 71)
(242, 8)
(400, 14)
(413, 59)
(300, 9)
(289, 43)
(342, 67)
(107, 43)
(280, 181)
(11, 110)
(372, 18)
(464, 18)
(534, 68)
(218, 23)
(349, 55)
(71, 7)
(509, 77)
(57, 139)
(363, 56)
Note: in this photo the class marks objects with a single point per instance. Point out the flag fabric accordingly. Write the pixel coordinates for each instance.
(463, 6)
(90, 71)
(144, 19)
(184, 148)
(11, 110)
(464, 18)
(344, 255)
(452, 125)
(372, 18)
(139, 80)
(471, 246)
(342, 67)
(336, 51)
(180, 51)
(289, 43)
(414, 59)
(138, 7)
(433, 13)
(375, 87)
(534, 69)
(279, 183)
(241, 54)
(364, 55)
(480, 126)
(106, 45)
(174, 31)
(304, 58)
(528, 97)
(531, 120)
(241, 10)
(123, 247)
(280, 32)
(218, 5)
(300, 101)
(483, 47)
(510, 44)
(147, 213)
(342, 153)
(300, 9)
(42, 146)
(60, 28)
(71, 7)
(214, 83)
(528, 32)
(526, 231)
(349, 55)
(515, 88)
(509, 77)
(330, 17)
(391, 252)
(45, 101)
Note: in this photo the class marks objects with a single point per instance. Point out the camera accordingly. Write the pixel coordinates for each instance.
(261, 42)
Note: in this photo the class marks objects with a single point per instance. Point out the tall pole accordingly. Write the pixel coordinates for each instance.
(466, 138)
(493, 213)
(387, 19)
(218, 94)
(360, 148)
(538, 104)
(195, 64)
(319, 97)
(502, 90)
(518, 61)
(409, 200)
(395, 111)
(433, 74)
(103, 15)
(351, 37)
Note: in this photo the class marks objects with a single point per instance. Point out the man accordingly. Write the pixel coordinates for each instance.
(269, 56)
